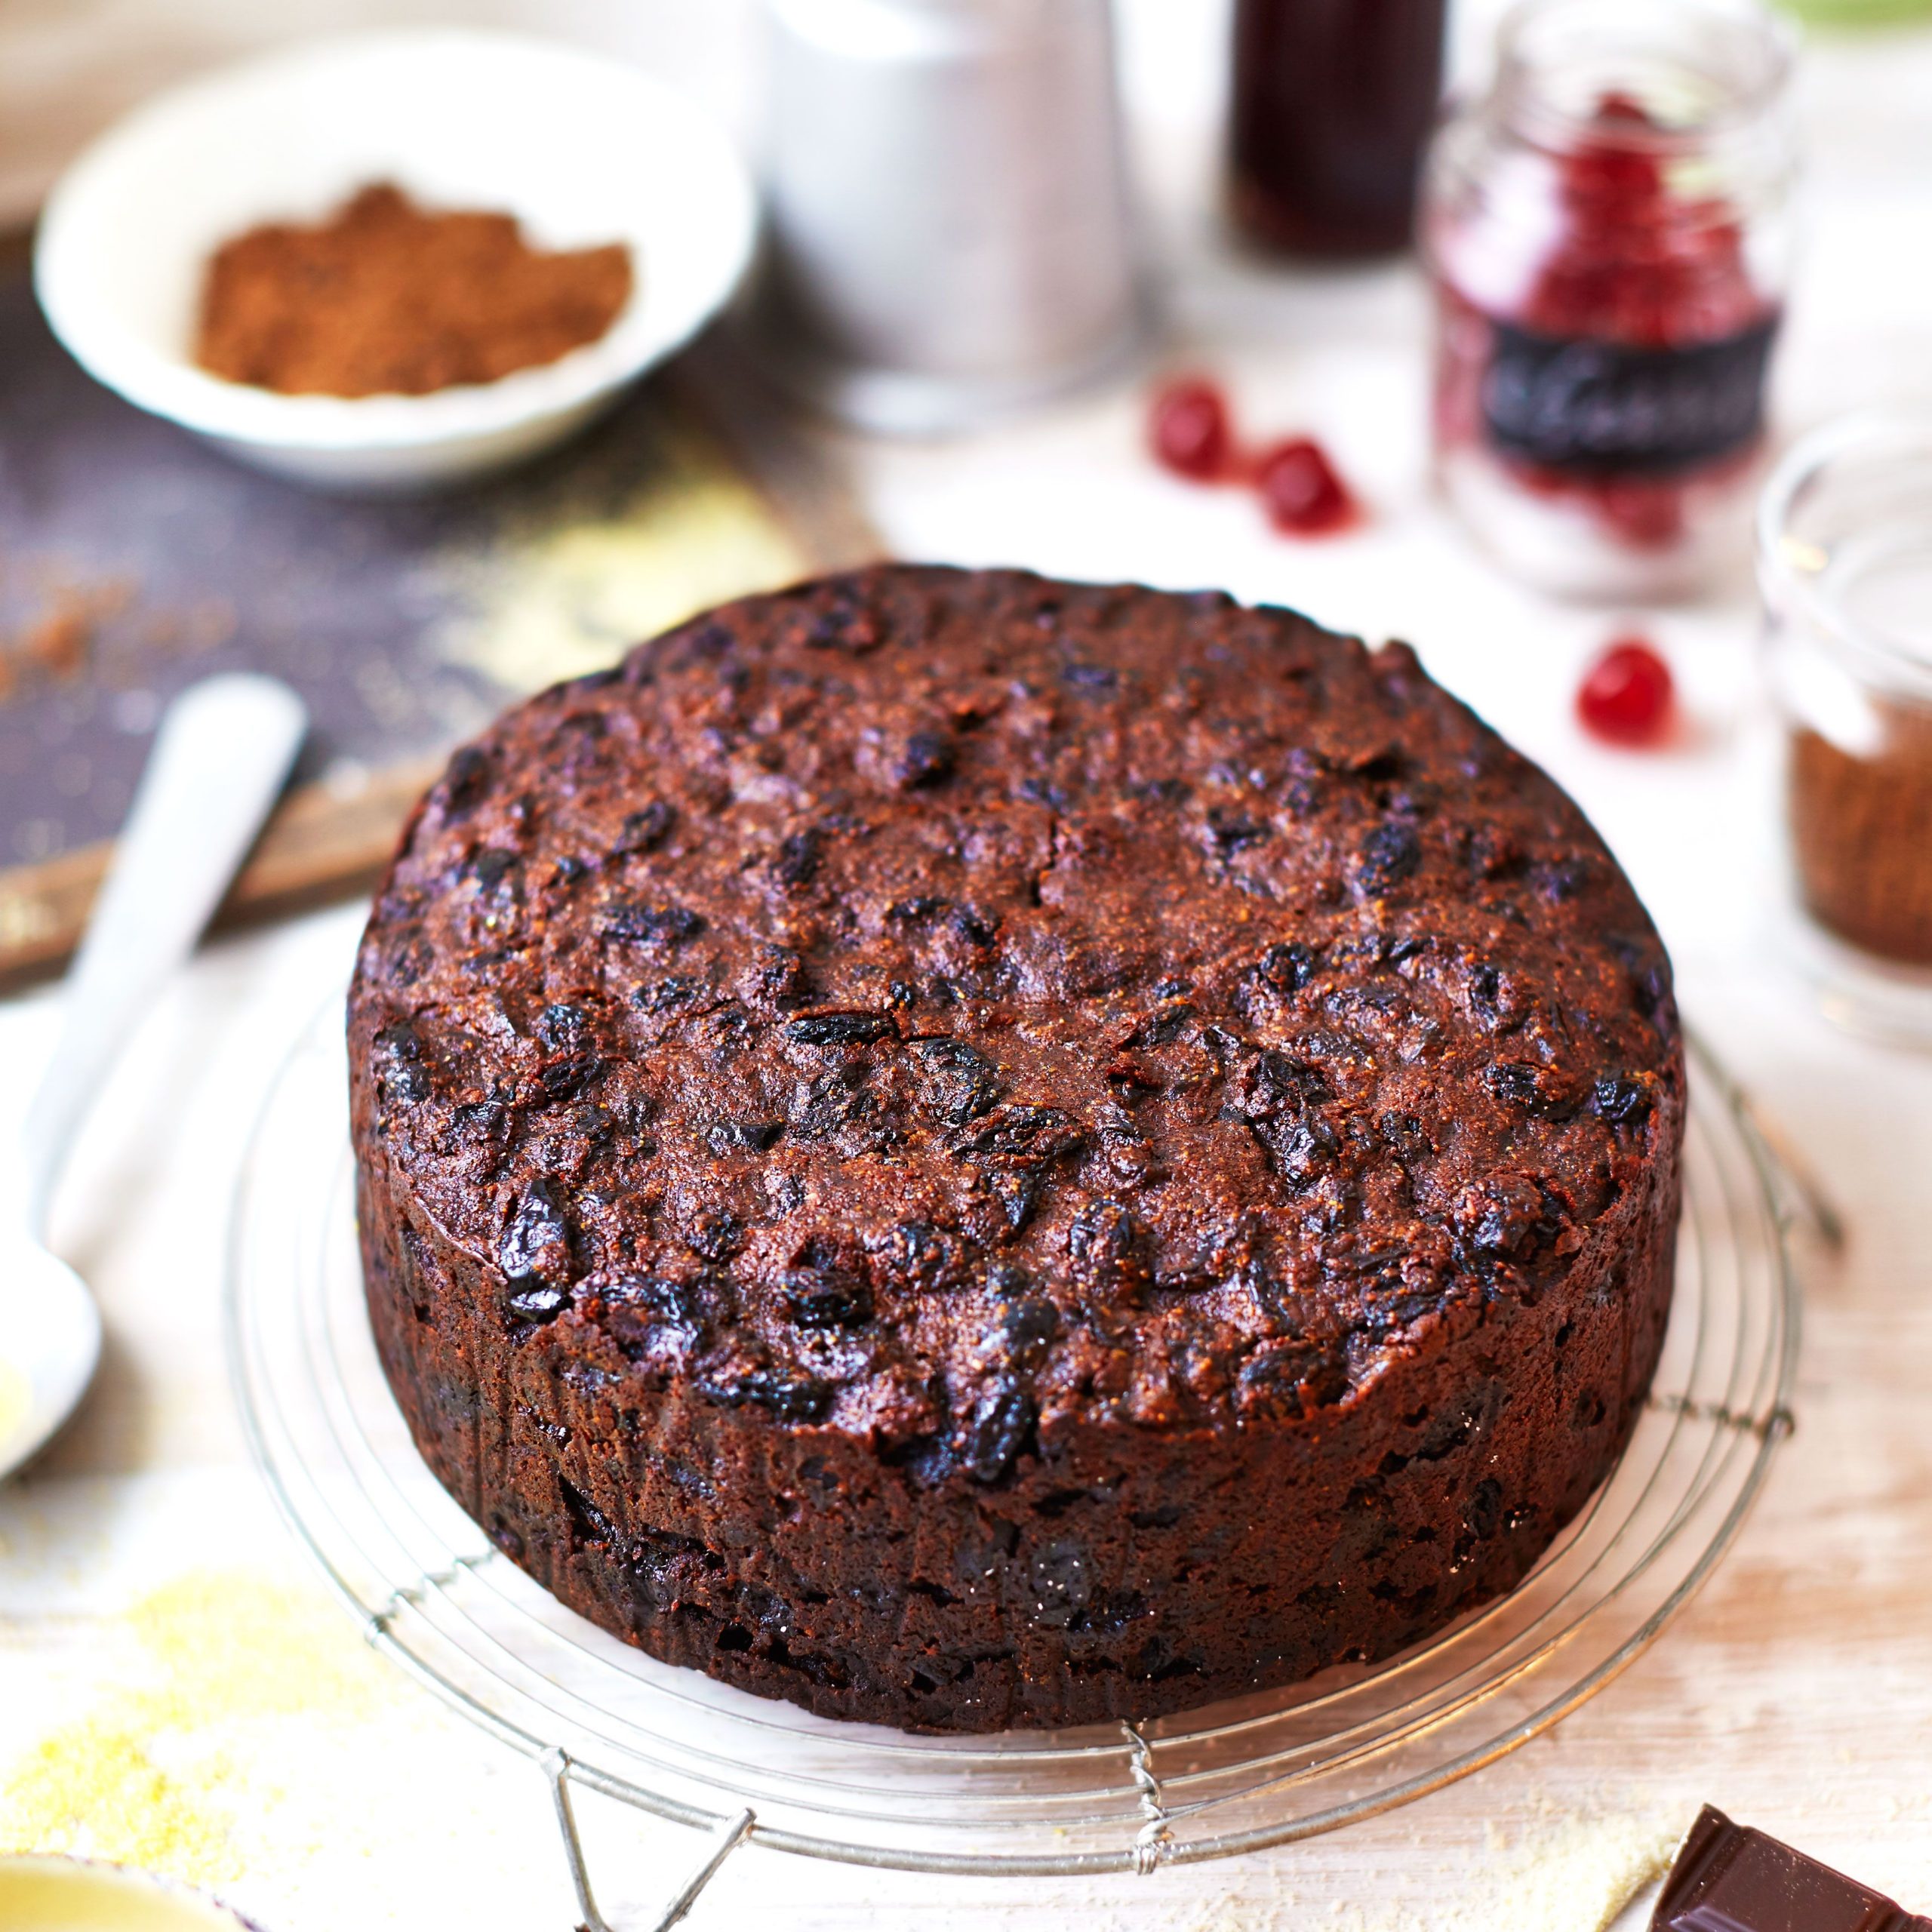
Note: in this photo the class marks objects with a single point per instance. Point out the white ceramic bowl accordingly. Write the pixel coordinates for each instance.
(582, 149)
(76, 1895)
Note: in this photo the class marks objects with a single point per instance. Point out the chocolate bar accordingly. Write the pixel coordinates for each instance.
(1732, 1878)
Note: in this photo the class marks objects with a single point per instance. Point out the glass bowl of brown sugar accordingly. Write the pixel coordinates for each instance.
(394, 259)
(1845, 564)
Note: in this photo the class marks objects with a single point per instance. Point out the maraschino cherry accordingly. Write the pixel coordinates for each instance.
(1627, 695)
(1304, 496)
(1189, 431)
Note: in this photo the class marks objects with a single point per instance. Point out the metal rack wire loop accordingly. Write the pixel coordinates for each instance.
(556, 1767)
(1266, 1769)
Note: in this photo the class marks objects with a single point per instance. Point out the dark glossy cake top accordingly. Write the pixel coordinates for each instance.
(949, 1003)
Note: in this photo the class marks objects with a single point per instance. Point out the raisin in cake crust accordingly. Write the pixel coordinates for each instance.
(974, 1151)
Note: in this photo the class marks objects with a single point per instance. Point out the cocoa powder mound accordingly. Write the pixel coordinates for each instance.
(384, 296)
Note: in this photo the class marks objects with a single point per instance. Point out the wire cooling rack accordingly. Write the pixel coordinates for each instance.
(431, 1593)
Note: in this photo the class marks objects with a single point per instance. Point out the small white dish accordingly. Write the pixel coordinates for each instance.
(582, 149)
(45, 1894)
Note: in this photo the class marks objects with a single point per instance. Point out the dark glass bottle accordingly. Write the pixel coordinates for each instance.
(1333, 103)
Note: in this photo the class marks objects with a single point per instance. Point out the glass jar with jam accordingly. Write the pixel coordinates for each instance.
(1608, 229)
(1844, 564)
(1331, 105)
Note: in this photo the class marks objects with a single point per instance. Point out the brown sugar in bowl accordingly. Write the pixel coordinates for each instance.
(383, 296)
(581, 148)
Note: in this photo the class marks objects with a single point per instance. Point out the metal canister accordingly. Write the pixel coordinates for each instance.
(950, 234)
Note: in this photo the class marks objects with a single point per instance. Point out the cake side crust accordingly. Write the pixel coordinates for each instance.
(1122, 1573)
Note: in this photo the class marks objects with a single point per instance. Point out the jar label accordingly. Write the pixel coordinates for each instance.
(1606, 409)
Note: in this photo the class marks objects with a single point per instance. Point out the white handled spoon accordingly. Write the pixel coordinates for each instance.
(220, 756)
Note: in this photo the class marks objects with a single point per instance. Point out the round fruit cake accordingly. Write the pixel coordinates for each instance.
(970, 1151)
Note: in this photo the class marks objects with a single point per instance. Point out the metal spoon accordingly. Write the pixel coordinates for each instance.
(220, 756)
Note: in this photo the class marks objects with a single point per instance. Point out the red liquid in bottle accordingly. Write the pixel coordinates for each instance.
(1333, 102)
